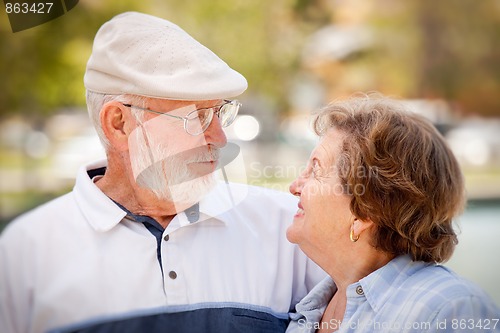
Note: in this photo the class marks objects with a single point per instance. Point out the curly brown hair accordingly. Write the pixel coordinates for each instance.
(412, 184)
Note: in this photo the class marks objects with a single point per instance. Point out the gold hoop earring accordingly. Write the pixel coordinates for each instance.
(351, 236)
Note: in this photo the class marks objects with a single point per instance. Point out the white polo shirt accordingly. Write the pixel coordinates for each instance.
(79, 264)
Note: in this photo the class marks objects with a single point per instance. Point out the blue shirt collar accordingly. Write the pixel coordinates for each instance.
(376, 288)
(378, 285)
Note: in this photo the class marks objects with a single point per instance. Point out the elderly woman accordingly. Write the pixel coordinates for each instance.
(377, 201)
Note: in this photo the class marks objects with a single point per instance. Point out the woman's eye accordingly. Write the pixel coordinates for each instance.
(316, 171)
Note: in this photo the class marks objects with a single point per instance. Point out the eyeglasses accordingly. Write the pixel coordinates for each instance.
(197, 121)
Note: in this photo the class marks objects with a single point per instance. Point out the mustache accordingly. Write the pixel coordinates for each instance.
(205, 154)
(210, 153)
(222, 156)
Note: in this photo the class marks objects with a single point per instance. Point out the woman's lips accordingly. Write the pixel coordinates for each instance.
(300, 211)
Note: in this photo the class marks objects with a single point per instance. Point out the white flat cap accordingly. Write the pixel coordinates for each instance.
(140, 54)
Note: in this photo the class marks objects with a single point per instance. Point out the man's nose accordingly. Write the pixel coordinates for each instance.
(215, 134)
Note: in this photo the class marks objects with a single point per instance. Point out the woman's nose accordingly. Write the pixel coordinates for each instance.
(296, 186)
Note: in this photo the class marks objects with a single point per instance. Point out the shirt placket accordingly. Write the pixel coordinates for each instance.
(173, 256)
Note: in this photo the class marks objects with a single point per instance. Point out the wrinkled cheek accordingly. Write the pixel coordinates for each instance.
(312, 192)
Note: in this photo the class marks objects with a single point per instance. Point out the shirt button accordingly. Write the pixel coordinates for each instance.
(166, 238)
(172, 275)
(359, 290)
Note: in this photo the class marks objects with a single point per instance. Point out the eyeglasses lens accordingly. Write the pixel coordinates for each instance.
(228, 113)
(198, 121)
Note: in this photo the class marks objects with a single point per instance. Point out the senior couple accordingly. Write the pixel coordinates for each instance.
(148, 241)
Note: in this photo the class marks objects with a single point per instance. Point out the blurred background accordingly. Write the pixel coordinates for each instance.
(441, 58)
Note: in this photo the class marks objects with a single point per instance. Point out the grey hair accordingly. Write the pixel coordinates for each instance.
(95, 102)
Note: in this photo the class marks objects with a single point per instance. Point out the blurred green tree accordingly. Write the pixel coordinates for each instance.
(441, 49)
(427, 49)
(460, 53)
(43, 67)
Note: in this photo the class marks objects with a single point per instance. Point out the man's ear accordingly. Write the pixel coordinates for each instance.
(116, 124)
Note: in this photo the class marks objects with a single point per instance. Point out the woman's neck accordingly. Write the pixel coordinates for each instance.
(334, 313)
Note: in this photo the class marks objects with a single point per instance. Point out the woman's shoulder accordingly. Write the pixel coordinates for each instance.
(412, 278)
(404, 281)
(441, 281)
(429, 292)
(436, 288)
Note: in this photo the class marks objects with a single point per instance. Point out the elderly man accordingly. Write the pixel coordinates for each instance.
(148, 241)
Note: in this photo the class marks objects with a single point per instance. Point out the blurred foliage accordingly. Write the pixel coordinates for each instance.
(22, 202)
(451, 50)
(425, 49)
(43, 67)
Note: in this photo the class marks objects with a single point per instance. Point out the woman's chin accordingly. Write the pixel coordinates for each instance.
(293, 234)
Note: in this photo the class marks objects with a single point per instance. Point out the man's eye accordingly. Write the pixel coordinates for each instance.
(202, 115)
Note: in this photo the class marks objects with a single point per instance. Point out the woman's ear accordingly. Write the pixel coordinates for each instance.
(360, 226)
(115, 121)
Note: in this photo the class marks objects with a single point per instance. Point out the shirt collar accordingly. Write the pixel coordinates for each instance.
(215, 205)
(377, 287)
(313, 305)
(99, 210)
(220, 200)
(103, 214)
(381, 284)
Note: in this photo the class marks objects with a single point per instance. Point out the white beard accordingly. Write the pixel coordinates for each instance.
(167, 175)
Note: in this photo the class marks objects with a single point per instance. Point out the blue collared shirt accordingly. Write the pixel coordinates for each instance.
(402, 296)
